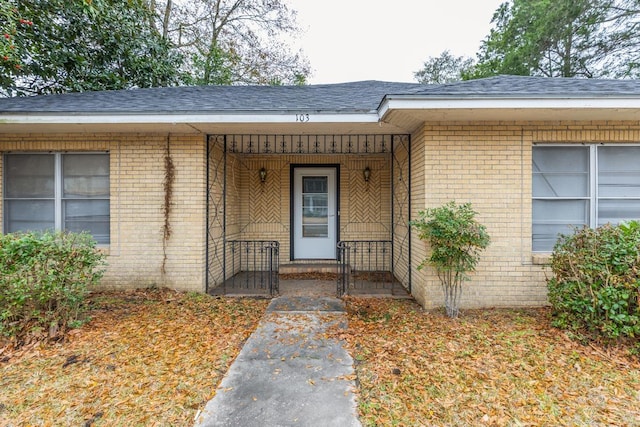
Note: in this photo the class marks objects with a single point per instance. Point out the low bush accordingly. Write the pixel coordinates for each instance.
(44, 279)
(456, 239)
(596, 283)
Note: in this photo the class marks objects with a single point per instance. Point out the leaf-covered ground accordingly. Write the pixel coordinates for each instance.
(490, 367)
(146, 358)
(153, 358)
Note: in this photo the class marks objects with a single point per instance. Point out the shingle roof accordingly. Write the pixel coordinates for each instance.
(524, 86)
(358, 97)
(355, 97)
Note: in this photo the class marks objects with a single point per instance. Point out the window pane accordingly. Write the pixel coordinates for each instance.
(545, 236)
(619, 171)
(314, 205)
(561, 159)
(560, 185)
(85, 175)
(315, 219)
(315, 184)
(552, 217)
(615, 211)
(29, 215)
(574, 212)
(313, 230)
(560, 171)
(29, 176)
(91, 216)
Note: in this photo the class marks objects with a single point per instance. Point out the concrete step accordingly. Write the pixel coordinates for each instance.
(329, 267)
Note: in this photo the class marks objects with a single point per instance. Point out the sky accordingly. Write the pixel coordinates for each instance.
(352, 40)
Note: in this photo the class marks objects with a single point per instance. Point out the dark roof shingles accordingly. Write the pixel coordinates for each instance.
(354, 97)
(344, 97)
(524, 86)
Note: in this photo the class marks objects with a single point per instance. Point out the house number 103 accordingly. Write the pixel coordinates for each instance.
(302, 118)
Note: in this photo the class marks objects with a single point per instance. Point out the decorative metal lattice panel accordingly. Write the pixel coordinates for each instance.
(401, 209)
(309, 144)
(222, 149)
(216, 176)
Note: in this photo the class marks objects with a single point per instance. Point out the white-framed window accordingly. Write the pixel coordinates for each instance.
(578, 185)
(57, 191)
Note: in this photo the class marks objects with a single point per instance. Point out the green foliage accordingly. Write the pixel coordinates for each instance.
(445, 68)
(72, 46)
(456, 240)
(596, 281)
(11, 27)
(44, 279)
(233, 41)
(55, 46)
(561, 38)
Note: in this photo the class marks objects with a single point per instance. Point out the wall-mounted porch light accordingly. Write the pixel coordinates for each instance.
(367, 174)
(263, 174)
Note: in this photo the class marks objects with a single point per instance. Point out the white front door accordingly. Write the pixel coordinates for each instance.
(314, 213)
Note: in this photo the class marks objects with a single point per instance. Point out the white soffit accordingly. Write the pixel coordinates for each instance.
(304, 123)
(447, 109)
(121, 118)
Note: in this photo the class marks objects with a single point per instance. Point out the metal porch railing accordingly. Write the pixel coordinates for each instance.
(365, 266)
(253, 265)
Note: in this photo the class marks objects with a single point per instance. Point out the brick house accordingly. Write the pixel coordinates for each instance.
(254, 179)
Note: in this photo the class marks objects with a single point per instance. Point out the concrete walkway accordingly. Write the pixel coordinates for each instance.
(289, 373)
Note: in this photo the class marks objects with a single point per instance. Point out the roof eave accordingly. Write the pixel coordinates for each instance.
(173, 118)
(501, 103)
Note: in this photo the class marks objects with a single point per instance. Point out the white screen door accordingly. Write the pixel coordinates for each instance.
(314, 213)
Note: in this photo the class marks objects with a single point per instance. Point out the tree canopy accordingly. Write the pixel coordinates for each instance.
(74, 46)
(551, 38)
(232, 41)
(11, 27)
(562, 38)
(445, 68)
(53, 46)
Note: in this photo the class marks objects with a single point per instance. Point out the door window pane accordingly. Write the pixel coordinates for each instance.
(315, 184)
(315, 214)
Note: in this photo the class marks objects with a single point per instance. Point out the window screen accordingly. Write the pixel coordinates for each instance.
(561, 187)
(57, 191)
(588, 185)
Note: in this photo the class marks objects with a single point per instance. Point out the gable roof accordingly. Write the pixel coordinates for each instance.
(355, 97)
(526, 86)
(366, 106)
(515, 98)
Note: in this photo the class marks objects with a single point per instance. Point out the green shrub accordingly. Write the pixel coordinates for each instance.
(455, 239)
(44, 279)
(596, 283)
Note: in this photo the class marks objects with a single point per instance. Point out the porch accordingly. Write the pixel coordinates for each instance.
(286, 213)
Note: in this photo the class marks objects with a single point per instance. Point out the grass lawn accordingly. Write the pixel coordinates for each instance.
(146, 358)
(155, 357)
(490, 367)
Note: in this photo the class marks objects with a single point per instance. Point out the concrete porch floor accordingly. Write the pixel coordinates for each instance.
(311, 280)
(303, 287)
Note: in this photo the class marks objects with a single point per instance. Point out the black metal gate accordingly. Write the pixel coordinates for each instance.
(223, 250)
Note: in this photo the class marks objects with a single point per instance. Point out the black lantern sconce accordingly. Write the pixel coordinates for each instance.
(366, 173)
(263, 174)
